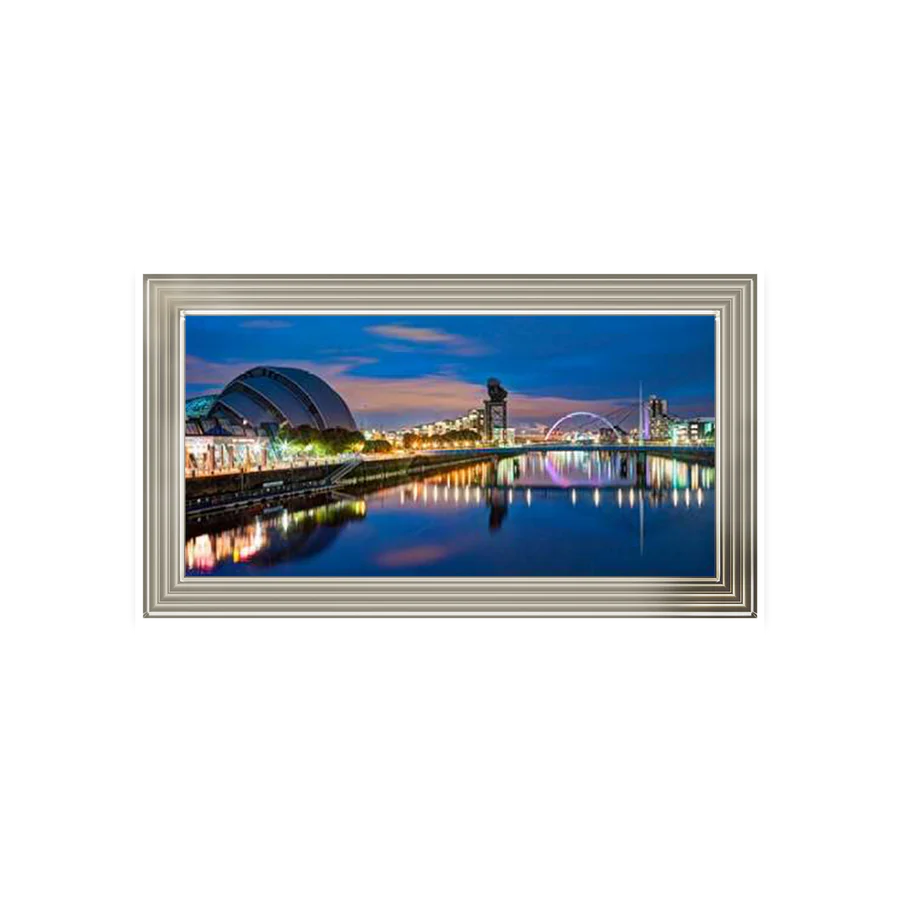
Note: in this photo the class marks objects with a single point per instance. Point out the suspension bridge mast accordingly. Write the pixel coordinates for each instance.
(640, 413)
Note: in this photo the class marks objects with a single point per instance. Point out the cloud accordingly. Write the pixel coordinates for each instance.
(199, 371)
(266, 324)
(408, 333)
(345, 363)
(434, 339)
(403, 401)
(392, 401)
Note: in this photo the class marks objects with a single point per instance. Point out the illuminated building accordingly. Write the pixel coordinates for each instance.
(212, 446)
(661, 428)
(661, 423)
(234, 429)
(657, 406)
(702, 430)
(473, 420)
(199, 407)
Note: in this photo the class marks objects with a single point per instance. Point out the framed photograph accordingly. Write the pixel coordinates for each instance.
(450, 445)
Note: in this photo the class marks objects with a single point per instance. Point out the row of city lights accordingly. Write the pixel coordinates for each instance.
(663, 474)
(419, 494)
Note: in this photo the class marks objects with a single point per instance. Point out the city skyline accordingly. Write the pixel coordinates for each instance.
(396, 371)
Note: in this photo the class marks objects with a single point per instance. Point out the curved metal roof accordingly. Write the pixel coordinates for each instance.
(294, 409)
(280, 394)
(331, 405)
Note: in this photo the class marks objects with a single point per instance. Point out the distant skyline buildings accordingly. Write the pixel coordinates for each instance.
(398, 371)
(657, 406)
(663, 426)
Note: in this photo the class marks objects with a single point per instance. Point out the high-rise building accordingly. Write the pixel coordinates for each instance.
(660, 421)
(657, 406)
(660, 428)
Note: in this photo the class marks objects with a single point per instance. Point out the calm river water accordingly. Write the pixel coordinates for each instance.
(550, 513)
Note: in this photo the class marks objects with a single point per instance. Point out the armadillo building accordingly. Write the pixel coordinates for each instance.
(278, 395)
(233, 428)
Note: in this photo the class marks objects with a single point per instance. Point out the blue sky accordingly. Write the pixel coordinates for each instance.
(395, 370)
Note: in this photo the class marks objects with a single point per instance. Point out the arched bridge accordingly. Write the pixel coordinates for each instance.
(616, 429)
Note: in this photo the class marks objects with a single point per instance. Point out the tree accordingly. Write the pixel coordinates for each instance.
(410, 441)
(339, 440)
(308, 440)
(377, 446)
(454, 438)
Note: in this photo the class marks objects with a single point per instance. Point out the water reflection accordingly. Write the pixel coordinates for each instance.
(545, 485)
(268, 539)
(499, 507)
(658, 480)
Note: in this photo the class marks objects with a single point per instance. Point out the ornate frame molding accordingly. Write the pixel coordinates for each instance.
(169, 298)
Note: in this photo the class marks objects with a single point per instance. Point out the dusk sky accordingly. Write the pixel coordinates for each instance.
(402, 370)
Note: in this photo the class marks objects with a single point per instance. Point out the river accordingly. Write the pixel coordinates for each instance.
(577, 512)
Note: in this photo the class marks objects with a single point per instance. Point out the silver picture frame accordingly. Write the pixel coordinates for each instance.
(168, 299)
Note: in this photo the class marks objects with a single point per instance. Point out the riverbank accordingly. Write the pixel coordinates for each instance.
(217, 495)
(683, 452)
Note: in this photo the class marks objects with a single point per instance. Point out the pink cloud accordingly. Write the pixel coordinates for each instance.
(421, 399)
(218, 374)
(430, 397)
(435, 337)
(408, 333)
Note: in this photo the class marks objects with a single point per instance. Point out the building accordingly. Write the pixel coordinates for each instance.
(661, 428)
(473, 420)
(496, 412)
(282, 396)
(234, 428)
(657, 406)
(702, 430)
(213, 446)
(661, 423)
(199, 407)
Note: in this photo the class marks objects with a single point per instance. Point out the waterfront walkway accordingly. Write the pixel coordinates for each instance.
(686, 452)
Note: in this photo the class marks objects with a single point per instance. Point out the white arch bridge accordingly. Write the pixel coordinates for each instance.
(616, 429)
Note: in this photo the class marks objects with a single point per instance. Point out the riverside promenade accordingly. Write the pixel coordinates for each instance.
(216, 495)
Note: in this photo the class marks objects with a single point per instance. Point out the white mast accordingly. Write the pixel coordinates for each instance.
(641, 413)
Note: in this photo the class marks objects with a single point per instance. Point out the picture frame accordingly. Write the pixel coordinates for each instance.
(168, 299)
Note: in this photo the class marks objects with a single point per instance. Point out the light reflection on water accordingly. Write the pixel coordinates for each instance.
(557, 513)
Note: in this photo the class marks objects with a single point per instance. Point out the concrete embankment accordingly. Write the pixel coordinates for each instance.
(216, 495)
(683, 452)
(706, 455)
